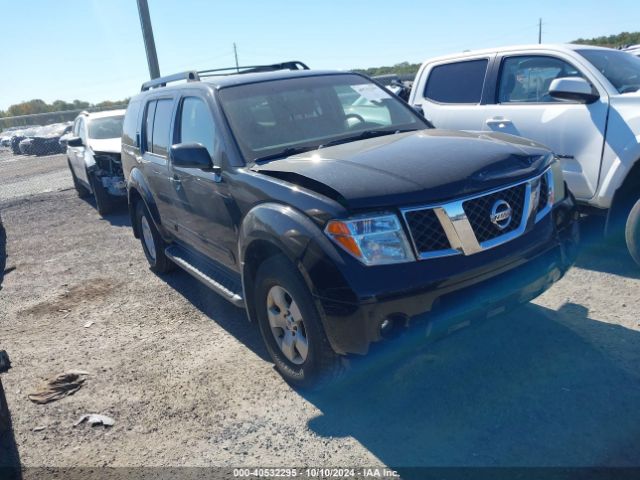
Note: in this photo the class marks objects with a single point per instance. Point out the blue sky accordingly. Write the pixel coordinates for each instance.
(93, 50)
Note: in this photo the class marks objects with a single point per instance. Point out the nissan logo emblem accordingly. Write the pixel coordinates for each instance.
(501, 214)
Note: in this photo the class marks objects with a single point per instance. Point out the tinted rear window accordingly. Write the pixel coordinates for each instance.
(459, 82)
(130, 126)
(161, 124)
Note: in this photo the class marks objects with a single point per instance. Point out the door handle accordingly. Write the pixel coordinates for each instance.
(498, 122)
(175, 179)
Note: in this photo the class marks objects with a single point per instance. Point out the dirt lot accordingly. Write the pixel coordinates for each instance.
(188, 382)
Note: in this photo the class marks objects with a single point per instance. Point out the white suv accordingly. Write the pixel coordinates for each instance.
(93, 155)
(583, 102)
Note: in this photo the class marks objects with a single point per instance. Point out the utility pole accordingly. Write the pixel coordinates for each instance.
(540, 31)
(147, 35)
(235, 54)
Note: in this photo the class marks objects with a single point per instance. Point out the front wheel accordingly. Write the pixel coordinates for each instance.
(632, 232)
(290, 325)
(104, 201)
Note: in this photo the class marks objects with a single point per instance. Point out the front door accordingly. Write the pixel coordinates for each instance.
(202, 199)
(574, 131)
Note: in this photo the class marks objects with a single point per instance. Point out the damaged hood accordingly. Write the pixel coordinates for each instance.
(426, 166)
(107, 145)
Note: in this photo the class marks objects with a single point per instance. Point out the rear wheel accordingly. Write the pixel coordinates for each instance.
(291, 327)
(152, 243)
(81, 190)
(632, 232)
(104, 201)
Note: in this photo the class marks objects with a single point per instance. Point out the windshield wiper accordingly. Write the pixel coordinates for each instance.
(287, 152)
(366, 134)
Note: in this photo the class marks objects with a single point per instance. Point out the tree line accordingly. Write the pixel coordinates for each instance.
(612, 41)
(40, 106)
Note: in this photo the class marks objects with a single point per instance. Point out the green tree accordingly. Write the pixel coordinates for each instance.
(612, 41)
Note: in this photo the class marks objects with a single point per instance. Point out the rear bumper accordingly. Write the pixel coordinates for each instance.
(446, 293)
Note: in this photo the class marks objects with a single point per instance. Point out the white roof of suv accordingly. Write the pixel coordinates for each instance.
(536, 46)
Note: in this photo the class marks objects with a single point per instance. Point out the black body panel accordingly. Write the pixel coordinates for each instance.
(239, 212)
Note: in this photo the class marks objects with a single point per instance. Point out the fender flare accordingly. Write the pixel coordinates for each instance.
(294, 234)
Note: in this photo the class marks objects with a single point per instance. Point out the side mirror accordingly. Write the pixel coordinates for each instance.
(191, 155)
(74, 142)
(576, 89)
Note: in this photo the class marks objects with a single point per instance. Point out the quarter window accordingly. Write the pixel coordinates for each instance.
(196, 124)
(161, 126)
(460, 82)
(148, 125)
(527, 78)
(130, 126)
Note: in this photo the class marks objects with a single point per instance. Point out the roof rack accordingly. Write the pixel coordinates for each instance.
(193, 76)
(189, 76)
(290, 65)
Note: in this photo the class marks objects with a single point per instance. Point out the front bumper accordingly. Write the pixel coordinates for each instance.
(445, 292)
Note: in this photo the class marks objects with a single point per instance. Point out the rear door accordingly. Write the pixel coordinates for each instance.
(202, 198)
(451, 92)
(521, 105)
(157, 124)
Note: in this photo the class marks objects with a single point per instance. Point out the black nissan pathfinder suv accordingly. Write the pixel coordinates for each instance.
(333, 212)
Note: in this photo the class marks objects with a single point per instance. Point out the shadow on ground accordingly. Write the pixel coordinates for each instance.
(532, 388)
(604, 254)
(119, 216)
(9, 457)
(232, 319)
(3, 252)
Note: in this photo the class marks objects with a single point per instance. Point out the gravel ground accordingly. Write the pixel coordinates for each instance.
(188, 382)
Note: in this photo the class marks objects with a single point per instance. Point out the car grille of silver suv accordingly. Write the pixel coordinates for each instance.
(480, 222)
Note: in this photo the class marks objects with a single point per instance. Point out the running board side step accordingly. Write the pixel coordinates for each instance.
(212, 276)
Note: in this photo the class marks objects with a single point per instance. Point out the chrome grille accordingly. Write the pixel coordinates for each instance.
(426, 230)
(478, 212)
(465, 226)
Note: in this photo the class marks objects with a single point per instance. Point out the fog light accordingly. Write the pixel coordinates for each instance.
(385, 326)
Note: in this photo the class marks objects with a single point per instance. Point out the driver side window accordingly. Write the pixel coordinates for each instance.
(526, 79)
(196, 124)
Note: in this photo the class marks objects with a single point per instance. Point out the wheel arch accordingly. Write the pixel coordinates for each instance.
(271, 229)
(623, 199)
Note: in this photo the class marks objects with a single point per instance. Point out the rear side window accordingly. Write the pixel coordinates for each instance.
(460, 82)
(130, 127)
(157, 123)
(161, 125)
(148, 125)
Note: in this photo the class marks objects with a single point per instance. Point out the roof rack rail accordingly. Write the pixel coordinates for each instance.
(290, 65)
(189, 76)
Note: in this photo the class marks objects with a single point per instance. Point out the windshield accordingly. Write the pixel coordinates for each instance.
(621, 68)
(276, 117)
(106, 127)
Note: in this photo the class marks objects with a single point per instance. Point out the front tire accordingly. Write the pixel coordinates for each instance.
(291, 327)
(632, 232)
(104, 201)
(152, 243)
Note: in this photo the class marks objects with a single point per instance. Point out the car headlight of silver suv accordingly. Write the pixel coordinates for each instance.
(373, 239)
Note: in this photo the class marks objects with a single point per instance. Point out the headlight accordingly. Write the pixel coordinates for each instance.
(374, 239)
(558, 182)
